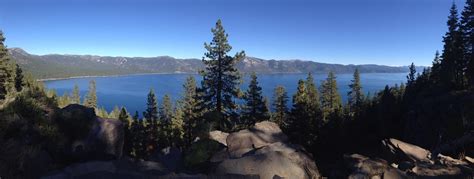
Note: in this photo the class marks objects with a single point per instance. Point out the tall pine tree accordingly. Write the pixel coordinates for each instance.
(330, 99)
(76, 96)
(190, 110)
(220, 78)
(19, 82)
(124, 118)
(280, 100)
(91, 98)
(166, 116)
(355, 95)
(5, 70)
(467, 32)
(313, 104)
(452, 64)
(151, 123)
(255, 109)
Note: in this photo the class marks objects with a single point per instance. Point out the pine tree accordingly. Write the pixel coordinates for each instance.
(452, 64)
(138, 137)
(91, 98)
(5, 70)
(220, 78)
(411, 75)
(467, 32)
(177, 130)
(299, 116)
(19, 82)
(76, 97)
(255, 109)
(151, 124)
(166, 116)
(330, 99)
(115, 113)
(355, 96)
(313, 104)
(435, 69)
(280, 100)
(124, 118)
(190, 109)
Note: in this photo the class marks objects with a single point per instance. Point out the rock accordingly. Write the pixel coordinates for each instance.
(364, 165)
(402, 151)
(430, 170)
(262, 134)
(265, 165)
(38, 164)
(219, 136)
(91, 137)
(263, 150)
(106, 138)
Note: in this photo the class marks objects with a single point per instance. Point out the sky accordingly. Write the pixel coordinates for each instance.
(386, 32)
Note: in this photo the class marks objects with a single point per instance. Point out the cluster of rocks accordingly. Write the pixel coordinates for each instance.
(404, 160)
(262, 150)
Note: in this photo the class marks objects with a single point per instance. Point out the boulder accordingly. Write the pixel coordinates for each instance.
(89, 136)
(262, 134)
(397, 151)
(361, 166)
(219, 136)
(264, 150)
(106, 138)
(266, 165)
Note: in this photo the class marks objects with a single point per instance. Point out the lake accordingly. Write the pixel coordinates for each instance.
(131, 90)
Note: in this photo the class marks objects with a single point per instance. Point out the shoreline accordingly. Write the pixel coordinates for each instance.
(139, 74)
(104, 76)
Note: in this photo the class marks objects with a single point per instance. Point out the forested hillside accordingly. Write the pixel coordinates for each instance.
(62, 66)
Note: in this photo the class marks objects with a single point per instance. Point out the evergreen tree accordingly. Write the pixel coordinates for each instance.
(355, 96)
(166, 116)
(177, 131)
(19, 82)
(280, 100)
(299, 116)
(452, 64)
(124, 118)
(5, 71)
(220, 78)
(411, 75)
(151, 125)
(138, 137)
(467, 32)
(76, 97)
(330, 99)
(101, 112)
(115, 113)
(190, 109)
(435, 69)
(255, 109)
(91, 98)
(313, 104)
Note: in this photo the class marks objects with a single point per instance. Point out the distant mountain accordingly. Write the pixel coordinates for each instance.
(63, 66)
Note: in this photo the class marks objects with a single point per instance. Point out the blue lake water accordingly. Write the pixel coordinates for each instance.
(131, 91)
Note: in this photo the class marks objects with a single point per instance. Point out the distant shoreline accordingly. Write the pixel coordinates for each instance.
(139, 74)
(103, 76)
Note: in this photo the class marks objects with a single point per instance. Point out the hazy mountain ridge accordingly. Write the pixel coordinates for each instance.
(62, 66)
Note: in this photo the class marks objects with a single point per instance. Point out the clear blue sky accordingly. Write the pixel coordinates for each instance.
(388, 32)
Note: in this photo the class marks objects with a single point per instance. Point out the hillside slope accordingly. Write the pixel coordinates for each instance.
(62, 66)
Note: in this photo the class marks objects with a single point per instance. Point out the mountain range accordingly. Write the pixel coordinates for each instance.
(64, 66)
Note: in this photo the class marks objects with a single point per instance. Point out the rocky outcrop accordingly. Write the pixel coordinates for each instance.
(91, 137)
(219, 136)
(365, 167)
(264, 150)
